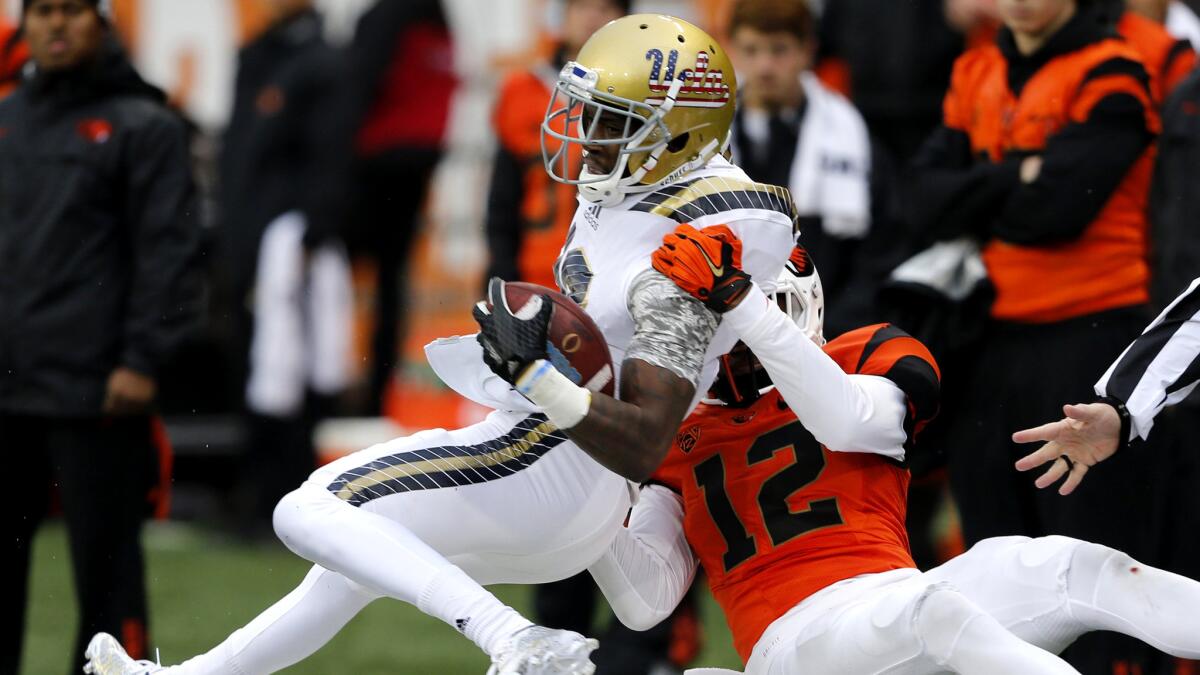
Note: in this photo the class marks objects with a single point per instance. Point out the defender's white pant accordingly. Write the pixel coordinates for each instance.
(1005, 606)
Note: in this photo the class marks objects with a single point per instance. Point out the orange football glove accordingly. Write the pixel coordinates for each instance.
(705, 263)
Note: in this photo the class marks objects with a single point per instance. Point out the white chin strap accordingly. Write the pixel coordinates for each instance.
(613, 189)
(607, 192)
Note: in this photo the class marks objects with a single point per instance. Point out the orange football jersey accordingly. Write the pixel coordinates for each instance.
(773, 515)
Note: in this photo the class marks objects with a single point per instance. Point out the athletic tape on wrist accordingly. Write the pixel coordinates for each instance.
(564, 402)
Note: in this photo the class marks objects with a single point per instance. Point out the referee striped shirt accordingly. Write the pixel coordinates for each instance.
(1161, 367)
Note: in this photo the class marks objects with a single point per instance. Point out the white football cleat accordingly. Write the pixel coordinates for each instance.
(106, 656)
(536, 650)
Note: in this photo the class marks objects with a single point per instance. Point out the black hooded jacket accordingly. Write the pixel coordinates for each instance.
(98, 233)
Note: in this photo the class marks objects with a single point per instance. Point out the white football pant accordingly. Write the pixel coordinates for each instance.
(1006, 606)
(427, 519)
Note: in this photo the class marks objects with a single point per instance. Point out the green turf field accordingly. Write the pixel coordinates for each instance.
(202, 587)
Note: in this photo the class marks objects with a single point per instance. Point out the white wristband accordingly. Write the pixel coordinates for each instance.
(564, 402)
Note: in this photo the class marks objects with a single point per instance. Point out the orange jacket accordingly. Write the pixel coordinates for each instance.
(543, 207)
(13, 56)
(1167, 59)
(1105, 266)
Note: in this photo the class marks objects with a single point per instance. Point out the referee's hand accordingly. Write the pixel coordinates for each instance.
(1089, 434)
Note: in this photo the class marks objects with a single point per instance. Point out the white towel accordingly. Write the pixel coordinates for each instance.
(831, 172)
(952, 269)
(1183, 24)
(302, 317)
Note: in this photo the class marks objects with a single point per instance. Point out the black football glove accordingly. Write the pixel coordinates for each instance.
(510, 342)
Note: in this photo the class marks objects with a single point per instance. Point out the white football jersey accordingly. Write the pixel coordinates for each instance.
(607, 248)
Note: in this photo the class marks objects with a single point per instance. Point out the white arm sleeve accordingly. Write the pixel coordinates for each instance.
(648, 567)
(845, 413)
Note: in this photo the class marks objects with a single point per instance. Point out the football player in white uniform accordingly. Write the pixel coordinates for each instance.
(518, 498)
(843, 596)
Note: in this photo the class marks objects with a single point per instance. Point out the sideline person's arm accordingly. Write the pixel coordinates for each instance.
(1160, 368)
(163, 239)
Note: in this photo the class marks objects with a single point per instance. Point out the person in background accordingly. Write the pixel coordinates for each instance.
(1168, 59)
(893, 60)
(13, 55)
(98, 233)
(282, 185)
(791, 130)
(1044, 157)
(399, 97)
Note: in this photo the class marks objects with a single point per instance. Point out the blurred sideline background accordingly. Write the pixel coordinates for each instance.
(205, 578)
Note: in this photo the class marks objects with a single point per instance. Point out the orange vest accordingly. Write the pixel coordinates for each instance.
(547, 206)
(11, 61)
(1106, 267)
(1167, 59)
(774, 516)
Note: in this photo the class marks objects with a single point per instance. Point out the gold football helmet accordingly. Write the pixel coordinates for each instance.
(658, 87)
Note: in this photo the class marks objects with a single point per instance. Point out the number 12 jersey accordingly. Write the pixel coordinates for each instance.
(772, 514)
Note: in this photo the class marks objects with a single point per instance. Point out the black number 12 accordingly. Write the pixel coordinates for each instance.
(782, 524)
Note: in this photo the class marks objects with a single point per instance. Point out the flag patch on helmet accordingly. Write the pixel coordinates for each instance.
(702, 88)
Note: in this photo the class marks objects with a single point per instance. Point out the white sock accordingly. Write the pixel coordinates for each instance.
(454, 598)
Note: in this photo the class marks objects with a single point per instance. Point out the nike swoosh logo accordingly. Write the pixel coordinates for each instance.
(717, 271)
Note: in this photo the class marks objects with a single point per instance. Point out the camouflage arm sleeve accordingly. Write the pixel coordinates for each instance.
(671, 329)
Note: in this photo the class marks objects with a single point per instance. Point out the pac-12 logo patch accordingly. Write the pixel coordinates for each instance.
(94, 130)
(688, 438)
(702, 88)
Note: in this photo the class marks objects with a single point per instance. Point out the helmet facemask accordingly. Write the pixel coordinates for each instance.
(741, 379)
(582, 115)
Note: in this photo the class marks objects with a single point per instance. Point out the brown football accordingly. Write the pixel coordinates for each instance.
(576, 346)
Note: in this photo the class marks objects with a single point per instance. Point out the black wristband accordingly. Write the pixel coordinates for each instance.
(1126, 421)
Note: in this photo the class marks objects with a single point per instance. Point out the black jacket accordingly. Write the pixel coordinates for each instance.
(286, 146)
(98, 230)
(1174, 199)
(900, 54)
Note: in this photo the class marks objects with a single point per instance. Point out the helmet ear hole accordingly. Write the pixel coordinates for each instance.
(678, 143)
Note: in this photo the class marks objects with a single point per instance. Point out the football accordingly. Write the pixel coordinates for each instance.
(576, 346)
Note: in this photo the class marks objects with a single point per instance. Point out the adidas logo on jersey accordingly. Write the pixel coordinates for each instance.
(592, 216)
